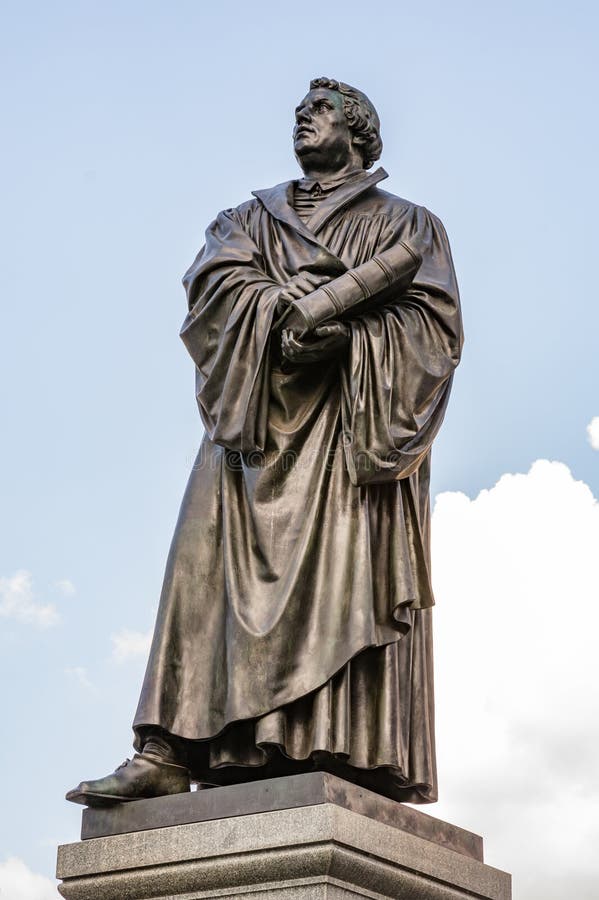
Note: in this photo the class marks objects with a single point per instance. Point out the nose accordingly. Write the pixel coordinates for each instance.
(302, 116)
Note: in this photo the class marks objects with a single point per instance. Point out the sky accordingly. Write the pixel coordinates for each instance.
(127, 127)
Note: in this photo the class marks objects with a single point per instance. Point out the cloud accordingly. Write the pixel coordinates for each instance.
(79, 674)
(17, 882)
(65, 587)
(128, 645)
(516, 575)
(593, 433)
(17, 601)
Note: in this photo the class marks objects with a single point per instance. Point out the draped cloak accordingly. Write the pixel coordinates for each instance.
(294, 625)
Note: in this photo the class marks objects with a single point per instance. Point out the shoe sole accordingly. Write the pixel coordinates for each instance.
(98, 800)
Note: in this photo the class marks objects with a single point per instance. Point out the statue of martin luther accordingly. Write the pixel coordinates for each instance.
(294, 629)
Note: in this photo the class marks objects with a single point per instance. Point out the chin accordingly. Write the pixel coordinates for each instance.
(303, 143)
(305, 149)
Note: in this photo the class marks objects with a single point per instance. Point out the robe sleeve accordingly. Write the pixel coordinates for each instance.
(232, 302)
(398, 373)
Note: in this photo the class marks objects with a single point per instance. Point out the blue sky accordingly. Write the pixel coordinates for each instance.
(127, 127)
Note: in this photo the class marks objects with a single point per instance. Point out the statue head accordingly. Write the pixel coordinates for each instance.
(338, 123)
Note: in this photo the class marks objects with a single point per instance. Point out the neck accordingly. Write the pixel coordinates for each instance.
(320, 171)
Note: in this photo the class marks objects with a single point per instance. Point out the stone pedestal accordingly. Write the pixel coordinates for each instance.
(310, 837)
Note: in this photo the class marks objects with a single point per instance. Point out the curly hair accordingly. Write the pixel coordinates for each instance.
(361, 116)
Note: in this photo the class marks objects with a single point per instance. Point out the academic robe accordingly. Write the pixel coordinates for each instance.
(294, 626)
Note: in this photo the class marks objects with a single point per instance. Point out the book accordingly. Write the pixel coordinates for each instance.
(394, 268)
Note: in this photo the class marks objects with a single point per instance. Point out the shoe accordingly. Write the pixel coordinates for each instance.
(142, 777)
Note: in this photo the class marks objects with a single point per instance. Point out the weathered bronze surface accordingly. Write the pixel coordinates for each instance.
(294, 629)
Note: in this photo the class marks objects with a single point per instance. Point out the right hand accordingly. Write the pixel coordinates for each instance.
(299, 286)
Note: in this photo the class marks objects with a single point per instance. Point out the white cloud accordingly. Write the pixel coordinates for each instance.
(65, 587)
(17, 882)
(593, 433)
(517, 582)
(17, 601)
(79, 674)
(127, 645)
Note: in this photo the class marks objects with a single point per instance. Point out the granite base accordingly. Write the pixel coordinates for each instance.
(310, 837)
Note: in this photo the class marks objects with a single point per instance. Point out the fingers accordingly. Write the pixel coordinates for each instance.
(331, 330)
(292, 292)
(289, 342)
(304, 283)
(301, 345)
(315, 281)
(294, 350)
(336, 330)
(300, 352)
(291, 347)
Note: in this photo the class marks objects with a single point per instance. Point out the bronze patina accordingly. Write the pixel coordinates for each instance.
(294, 629)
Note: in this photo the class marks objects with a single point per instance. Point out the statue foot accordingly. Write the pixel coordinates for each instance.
(142, 777)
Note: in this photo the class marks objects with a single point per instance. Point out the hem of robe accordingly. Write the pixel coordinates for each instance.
(383, 779)
(333, 729)
(139, 724)
(401, 616)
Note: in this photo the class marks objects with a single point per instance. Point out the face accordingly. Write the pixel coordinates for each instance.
(321, 130)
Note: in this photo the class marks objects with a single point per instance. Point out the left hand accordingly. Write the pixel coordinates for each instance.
(324, 342)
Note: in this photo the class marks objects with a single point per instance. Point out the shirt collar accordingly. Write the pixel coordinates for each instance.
(278, 200)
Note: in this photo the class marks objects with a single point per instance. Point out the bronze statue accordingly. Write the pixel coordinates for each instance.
(294, 629)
